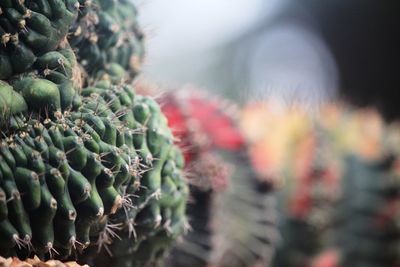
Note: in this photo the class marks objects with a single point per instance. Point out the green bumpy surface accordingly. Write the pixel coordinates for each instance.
(35, 59)
(84, 177)
(107, 32)
(81, 168)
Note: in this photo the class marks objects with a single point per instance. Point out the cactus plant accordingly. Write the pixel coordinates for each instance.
(107, 32)
(339, 183)
(231, 212)
(80, 167)
(292, 150)
(36, 60)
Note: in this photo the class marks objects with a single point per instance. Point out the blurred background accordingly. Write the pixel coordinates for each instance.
(288, 49)
(335, 169)
(242, 49)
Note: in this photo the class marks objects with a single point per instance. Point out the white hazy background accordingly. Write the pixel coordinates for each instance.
(188, 42)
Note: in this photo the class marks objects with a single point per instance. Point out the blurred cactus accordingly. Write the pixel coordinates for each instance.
(231, 212)
(335, 172)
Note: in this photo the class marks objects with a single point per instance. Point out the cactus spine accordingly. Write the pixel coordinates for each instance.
(80, 167)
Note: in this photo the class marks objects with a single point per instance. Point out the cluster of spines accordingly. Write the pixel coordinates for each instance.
(29, 29)
(152, 230)
(107, 32)
(51, 84)
(80, 167)
(37, 64)
(71, 171)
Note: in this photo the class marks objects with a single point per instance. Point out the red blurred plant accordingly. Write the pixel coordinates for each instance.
(201, 126)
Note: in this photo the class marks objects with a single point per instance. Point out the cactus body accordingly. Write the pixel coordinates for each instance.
(36, 61)
(82, 167)
(107, 32)
(68, 183)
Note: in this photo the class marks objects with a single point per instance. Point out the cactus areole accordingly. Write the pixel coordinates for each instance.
(86, 165)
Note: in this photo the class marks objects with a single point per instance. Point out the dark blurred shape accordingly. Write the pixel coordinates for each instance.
(367, 227)
(364, 37)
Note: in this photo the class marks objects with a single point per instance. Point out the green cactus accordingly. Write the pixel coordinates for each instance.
(36, 61)
(81, 168)
(73, 178)
(107, 32)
